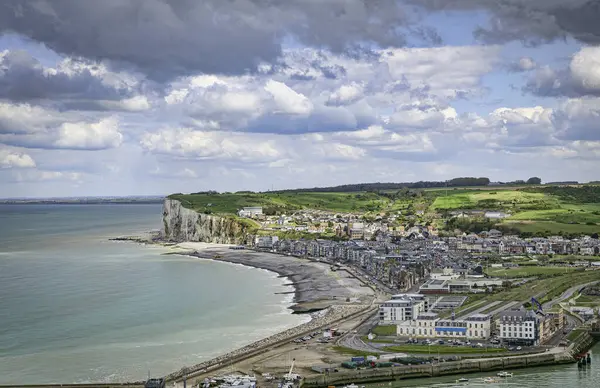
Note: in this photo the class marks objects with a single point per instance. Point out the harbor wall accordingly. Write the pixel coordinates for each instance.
(582, 343)
(435, 370)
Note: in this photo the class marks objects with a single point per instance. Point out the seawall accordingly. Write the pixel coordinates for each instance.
(332, 316)
(182, 224)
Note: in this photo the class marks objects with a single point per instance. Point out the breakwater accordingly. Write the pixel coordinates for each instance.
(332, 315)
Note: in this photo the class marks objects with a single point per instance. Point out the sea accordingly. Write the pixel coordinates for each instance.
(76, 307)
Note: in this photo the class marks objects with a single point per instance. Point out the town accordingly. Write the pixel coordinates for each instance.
(474, 279)
(444, 288)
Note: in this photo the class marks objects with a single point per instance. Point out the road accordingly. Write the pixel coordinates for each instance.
(480, 309)
(566, 295)
(354, 341)
(503, 307)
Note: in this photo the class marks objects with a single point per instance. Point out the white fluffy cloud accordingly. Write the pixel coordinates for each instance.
(15, 159)
(581, 78)
(35, 127)
(188, 143)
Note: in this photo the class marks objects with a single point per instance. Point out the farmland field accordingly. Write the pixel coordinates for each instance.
(284, 202)
(506, 200)
(528, 271)
(551, 227)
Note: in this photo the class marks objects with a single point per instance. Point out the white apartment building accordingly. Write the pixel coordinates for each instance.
(265, 241)
(429, 325)
(518, 327)
(400, 308)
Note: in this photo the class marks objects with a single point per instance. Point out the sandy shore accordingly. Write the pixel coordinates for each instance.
(316, 285)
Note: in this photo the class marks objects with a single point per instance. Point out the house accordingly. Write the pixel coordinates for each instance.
(251, 211)
(496, 215)
(494, 233)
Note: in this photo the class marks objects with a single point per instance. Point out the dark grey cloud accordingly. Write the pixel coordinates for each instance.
(531, 21)
(23, 78)
(167, 38)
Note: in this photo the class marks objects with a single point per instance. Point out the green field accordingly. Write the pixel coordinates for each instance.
(528, 271)
(507, 200)
(384, 330)
(285, 202)
(539, 211)
(352, 352)
(544, 289)
(553, 228)
(440, 349)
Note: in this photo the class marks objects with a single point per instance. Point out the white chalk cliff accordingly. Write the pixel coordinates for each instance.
(182, 224)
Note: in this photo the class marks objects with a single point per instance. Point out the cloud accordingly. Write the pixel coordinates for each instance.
(187, 143)
(531, 21)
(522, 65)
(45, 176)
(167, 38)
(14, 159)
(75, 84)
(89, 136)
(277, 102)
(578, 119)
(36, 127)
(581, 78)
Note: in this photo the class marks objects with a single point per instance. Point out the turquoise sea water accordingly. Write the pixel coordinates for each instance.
(75, 307)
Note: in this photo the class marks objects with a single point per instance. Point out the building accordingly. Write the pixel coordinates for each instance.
(479, 326)
(422, 327)
(414, 297)
(356, 231)
(519, 327)
(429, 325)
(265, 241)
(469, 284)
(496, 215)
(403, 308)
(251, 211)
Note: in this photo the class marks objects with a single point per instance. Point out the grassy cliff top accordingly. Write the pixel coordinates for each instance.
(573, 209)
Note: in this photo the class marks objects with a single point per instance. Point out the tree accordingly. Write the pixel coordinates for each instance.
(534, 181)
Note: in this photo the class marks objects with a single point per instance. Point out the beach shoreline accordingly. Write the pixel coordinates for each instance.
(315, 285)
(326, 296)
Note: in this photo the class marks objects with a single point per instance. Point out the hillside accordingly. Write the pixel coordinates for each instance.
(532, 210)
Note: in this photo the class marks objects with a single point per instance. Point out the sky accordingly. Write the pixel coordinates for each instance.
(151, 97)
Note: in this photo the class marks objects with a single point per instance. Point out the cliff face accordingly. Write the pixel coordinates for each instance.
(182, 224)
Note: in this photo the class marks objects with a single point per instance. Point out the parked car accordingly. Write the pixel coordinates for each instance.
(519, 348)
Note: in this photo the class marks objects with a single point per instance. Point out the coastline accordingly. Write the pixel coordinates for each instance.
(326, 296)
(315, 285)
